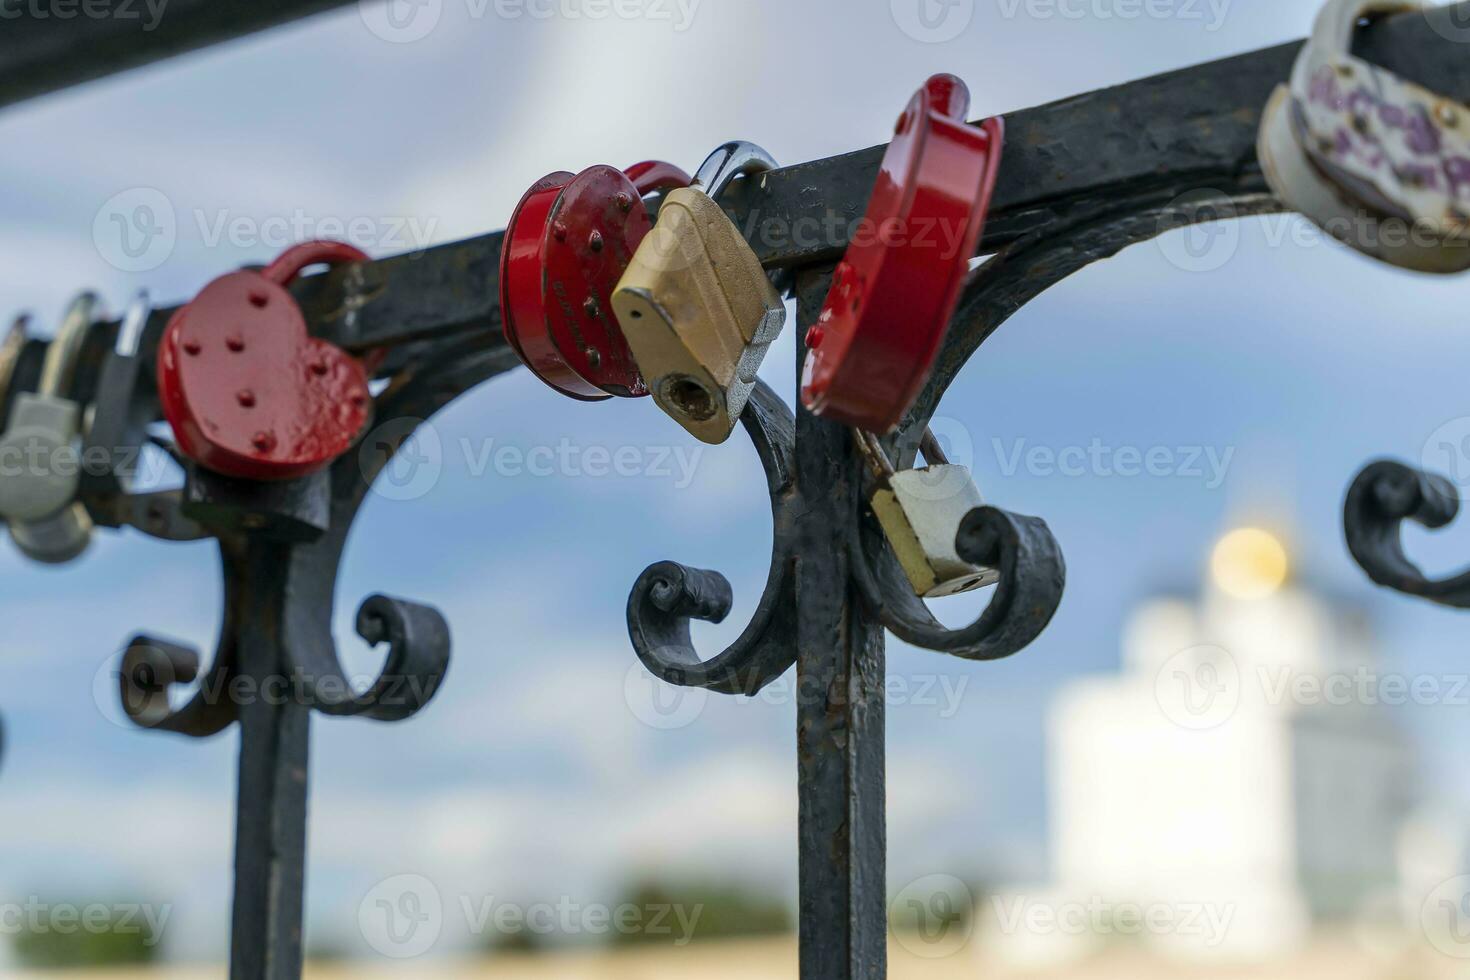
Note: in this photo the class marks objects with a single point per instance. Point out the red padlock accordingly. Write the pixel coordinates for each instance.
(892, 296)
(248, 392)
(568, 243)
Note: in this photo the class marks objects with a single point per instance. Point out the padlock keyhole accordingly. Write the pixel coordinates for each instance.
(690, 398)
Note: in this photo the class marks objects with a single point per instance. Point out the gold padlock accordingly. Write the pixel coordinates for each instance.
(695, 306)
(920, 512)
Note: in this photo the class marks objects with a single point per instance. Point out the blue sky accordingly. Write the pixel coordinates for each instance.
(531, 775)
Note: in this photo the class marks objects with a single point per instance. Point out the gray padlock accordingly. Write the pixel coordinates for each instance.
(920, 512)
(39, 460)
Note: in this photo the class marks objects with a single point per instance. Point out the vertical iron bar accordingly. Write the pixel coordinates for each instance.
(840, 729)
(270, 843)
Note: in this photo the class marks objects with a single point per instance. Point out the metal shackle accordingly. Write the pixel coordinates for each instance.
(10, 351)
(130, 332)
(64, 353)
(738, 158)
(111, 431)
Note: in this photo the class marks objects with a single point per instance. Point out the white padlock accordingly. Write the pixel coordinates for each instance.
(920, 512)
(1378, 162)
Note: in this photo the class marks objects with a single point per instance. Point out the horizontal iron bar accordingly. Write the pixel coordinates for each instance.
(1201, 120)
(49, 45)
(1188, 126)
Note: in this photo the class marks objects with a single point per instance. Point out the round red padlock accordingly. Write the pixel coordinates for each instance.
(568, 243)
(875, 341)
(248, 392)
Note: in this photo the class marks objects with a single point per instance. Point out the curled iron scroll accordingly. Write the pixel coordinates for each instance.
(293, 584)
(151, 667)
(1385, 495)
(1032, 570)
(668, 595)
(1032, 577)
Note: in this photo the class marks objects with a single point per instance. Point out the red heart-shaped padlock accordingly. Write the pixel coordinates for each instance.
(248, 392)
(892, 296)
(568, 243)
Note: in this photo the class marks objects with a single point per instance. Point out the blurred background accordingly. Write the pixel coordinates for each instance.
(1229, 755)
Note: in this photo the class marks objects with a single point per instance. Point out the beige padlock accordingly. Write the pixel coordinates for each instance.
(695, 306)
(920, 511)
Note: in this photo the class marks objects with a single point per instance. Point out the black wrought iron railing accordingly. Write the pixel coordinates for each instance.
(1075, 187)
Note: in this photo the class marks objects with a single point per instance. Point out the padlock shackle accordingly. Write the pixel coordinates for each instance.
(288, 265)
(872, 451)
(134, 320)
(649, 176)
(65, 350)
(934, 454)
(10, 348)
(735, 159)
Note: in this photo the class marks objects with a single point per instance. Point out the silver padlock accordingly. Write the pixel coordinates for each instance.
(695, 306)
(1376, 161)
(920, 511)
(40, 465)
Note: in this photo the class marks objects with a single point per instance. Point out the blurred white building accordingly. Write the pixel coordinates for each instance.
(1236, 783)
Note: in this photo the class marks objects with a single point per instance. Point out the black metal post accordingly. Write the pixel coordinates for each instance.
(839, 727)
(270, 837)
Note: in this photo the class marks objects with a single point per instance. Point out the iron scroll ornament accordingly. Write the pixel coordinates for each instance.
(281, 593)
(276, 662)
(1032, 578)
(1044, 230)
(1385, 495)
(667, 596)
